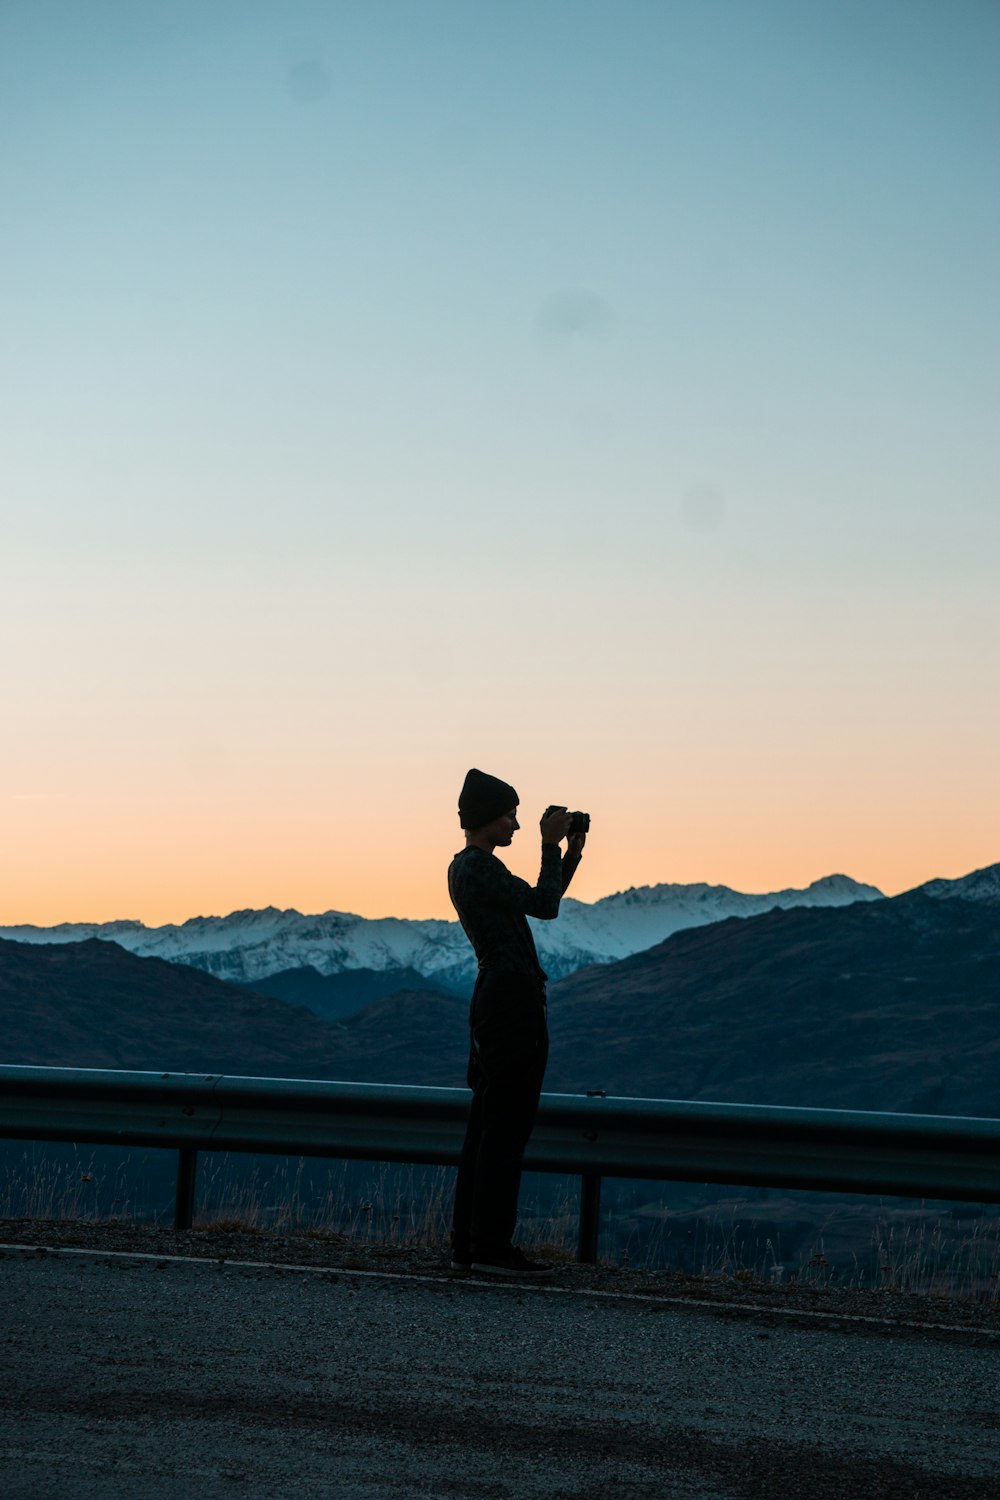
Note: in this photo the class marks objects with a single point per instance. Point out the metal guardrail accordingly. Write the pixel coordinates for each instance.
(592, 1136)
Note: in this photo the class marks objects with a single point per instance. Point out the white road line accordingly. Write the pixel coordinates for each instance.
(481, 1282)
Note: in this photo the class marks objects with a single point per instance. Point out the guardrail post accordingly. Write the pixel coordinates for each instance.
(187, 1166)
(590, 1215)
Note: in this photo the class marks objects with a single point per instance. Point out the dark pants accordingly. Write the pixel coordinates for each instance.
(508, 1053)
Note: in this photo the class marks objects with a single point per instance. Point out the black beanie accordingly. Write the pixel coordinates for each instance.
(484, 798)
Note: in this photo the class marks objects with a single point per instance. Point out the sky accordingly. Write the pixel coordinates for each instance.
(598, 392)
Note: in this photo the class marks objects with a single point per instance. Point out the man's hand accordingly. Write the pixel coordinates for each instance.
(575, 843)
(555, 827)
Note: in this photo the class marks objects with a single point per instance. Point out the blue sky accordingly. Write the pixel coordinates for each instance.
(440, 360)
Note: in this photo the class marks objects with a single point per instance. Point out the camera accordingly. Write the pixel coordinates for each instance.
(581, 820)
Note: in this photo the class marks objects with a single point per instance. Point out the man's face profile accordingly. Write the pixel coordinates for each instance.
(502, 829)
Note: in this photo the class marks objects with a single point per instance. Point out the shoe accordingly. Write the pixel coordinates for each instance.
(461, 1258)
(514, 1264)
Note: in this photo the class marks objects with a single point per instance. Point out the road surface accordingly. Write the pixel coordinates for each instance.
(160, 1378)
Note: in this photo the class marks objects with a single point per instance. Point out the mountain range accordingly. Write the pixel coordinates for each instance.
(894, 1006)
(249, 946)
(888, 1004)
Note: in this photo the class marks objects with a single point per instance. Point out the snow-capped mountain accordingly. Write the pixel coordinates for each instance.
(629, 921)
(981, 885)
(247, 946)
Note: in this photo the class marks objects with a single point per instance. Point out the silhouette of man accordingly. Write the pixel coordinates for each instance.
(507, 1018)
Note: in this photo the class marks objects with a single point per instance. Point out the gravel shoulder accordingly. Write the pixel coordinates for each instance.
(231, 1243)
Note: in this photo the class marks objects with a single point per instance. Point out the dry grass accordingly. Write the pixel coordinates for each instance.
(399, 1207)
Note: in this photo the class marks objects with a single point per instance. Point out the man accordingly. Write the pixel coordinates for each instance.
(509, 1037)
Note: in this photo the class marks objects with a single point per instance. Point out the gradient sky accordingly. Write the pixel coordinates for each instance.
(603, 393)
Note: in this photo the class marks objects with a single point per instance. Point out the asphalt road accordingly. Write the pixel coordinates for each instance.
(125, 1376)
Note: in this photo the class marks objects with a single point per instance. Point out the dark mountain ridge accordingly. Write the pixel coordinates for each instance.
(894, 1005)
(891, 1005)
(332, 997)
(94, 1005)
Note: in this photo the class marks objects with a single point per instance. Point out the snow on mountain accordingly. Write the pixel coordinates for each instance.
(250, 945)
(981, 885)
(629, 921)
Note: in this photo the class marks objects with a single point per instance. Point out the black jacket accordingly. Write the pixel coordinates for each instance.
(493, 905)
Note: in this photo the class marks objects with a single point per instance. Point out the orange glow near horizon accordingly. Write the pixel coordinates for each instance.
(194, 857)
(289, 769)
(167, 901)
